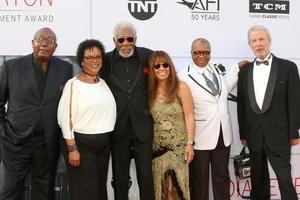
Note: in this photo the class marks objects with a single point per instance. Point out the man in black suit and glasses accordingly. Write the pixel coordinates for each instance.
(31, 86)
(268, 115)
(125, 72)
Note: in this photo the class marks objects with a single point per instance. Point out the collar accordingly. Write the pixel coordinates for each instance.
(201, 70)
(267, 58)
(37, 63)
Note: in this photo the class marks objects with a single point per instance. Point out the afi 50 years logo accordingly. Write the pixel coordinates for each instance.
(202, 9)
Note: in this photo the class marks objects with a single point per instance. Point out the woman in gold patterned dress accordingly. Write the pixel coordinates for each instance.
(171, 105)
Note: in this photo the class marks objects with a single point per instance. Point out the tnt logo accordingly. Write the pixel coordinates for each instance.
(272, 6)
(142, 9)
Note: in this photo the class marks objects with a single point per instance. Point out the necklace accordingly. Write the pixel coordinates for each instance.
(161, 97)
(95, 77)
(161, 94)
(44, 68)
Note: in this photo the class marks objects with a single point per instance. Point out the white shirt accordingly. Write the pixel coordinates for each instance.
(261, 75)
(93, 108)
(207, 70)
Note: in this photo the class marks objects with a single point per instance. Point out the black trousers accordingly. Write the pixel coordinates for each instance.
(121, 154)
(89, 179)
(260, 179)
(19, 161)
(218, 160)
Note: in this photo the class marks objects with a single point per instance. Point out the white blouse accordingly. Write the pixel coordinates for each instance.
(93, 108)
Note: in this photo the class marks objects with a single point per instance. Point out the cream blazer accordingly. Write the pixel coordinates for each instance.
(210, 111)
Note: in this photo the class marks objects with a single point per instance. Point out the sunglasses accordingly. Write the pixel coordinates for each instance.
(129, 39)
(158, 65)
(199, 53)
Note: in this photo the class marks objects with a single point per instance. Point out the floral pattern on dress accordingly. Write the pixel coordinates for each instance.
(169, 144)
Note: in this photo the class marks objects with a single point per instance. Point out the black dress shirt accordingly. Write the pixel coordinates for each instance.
(41, 77)
(125, 69)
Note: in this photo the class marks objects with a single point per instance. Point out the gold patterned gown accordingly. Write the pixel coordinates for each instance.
(168, 150)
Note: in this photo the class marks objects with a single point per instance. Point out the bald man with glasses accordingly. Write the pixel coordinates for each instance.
(213, 134)
(31, 86)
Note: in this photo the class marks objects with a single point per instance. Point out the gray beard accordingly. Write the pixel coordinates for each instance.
(127, 55)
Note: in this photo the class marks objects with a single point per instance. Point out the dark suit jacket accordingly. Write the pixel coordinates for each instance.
(19, 89)
(131, 104)
(278, 121)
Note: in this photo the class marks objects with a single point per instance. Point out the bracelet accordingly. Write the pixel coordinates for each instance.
(191, 142)
(72, 147)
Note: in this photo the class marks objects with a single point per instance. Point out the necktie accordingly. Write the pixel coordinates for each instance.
(215, 79)
(265, 62)
(213, 86)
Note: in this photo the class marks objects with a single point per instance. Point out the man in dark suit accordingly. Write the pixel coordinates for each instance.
(268, 115)
(125, 72)
(31, 86)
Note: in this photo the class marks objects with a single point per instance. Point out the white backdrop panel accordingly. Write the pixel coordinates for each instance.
(19, 21)
(172, 28)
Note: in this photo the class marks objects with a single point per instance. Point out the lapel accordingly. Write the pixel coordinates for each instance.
(140, 72)
(29, 72)
(269, 90)
(251, 92)
(216, 71)
(270, 86)
(51, 88)
(112, 77)
(198, 79)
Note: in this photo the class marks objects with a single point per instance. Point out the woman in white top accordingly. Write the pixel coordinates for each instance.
(87, 115)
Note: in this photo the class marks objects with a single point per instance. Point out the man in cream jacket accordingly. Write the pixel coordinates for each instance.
(213, 136)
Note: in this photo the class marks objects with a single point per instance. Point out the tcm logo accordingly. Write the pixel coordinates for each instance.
(273, 6)
(202, 6)
(142, 9)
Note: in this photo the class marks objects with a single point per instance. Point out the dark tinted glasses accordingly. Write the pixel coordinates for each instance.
(158, 65)
(129, 39)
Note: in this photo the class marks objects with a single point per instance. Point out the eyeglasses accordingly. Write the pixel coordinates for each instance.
(158, 65)
(199, 53)
(92, 58)
(48, 40)
(129, 39)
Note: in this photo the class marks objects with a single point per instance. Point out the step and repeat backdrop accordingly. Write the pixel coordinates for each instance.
(169, 25)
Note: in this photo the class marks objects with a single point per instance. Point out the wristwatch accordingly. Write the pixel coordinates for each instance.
(192, 142)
